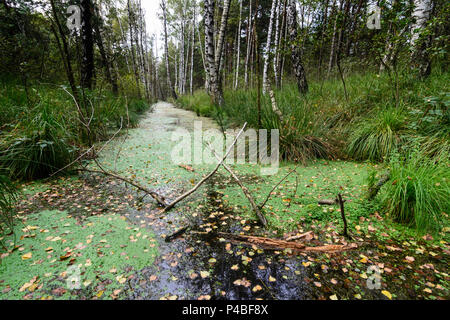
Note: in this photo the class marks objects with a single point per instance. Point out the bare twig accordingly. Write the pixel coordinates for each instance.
(188, 193)
(153, 194)
(247, 193)
(270, 193)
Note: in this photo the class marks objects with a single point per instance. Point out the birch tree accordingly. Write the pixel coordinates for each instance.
(296, 58)
(166, 50)
(267, 49)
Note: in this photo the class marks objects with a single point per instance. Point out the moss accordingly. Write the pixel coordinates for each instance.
(99, 246)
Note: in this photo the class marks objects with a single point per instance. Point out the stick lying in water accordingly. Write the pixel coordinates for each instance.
(277, 244)
(247, 193)
(188, 193)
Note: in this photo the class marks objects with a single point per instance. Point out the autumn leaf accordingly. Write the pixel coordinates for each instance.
(387, 294)
(257, 288)
(27, 256)
(121, 279)
(204, 274)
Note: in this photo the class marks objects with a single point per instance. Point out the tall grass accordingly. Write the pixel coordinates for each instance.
(375, 137)
(418, 192)
(200, 103)
(45, 134)
(38, 145)
(8, 195)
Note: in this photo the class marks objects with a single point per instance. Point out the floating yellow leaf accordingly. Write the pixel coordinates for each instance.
(257, 288)
(387, 294)
(27, 256)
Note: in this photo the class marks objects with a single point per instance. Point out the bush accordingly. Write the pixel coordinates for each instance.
(375, 138)
(418, 192)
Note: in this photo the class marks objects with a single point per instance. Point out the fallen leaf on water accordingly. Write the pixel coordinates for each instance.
(334, 297)
(257, 288)
(387, 294)
(204, 274)
(121, 279)
(272, 279)
(27, 256)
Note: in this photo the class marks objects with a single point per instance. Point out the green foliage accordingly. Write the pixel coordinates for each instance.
(42, 131)
(374, 138)
(200, 103)
(418, 192)
(8, 194)
(38, 145)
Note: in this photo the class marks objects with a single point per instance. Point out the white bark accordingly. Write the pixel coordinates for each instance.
(421, 14)
(267, 49)
(238, 46)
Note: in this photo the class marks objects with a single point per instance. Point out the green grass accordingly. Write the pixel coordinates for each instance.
(8, 197)
(418, 192)
(102, 247)
(378, 135)
(45, 134)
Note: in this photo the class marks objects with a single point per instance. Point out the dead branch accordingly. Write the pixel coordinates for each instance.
(270, 193)
(276, 244)
(307, 235)
(176, 234)
(247, 193)
(153, 194)
(188, 193)
(341, 204)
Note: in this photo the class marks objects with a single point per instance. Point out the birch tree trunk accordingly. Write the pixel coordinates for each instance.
(333, 40)
(276, 40)
(299, 71)
(210, 52)
(191, 89)
(238, 54)
(249, 44)
(420, 41)
(267, 49)
(166, 49)
(220, 47)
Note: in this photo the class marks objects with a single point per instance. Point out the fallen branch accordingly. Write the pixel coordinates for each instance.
(270, 193)
(153, 194)
(176, 234)
(276, 244)
(247, 193)
(328, 202)
(188, 193)
(308, 235)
